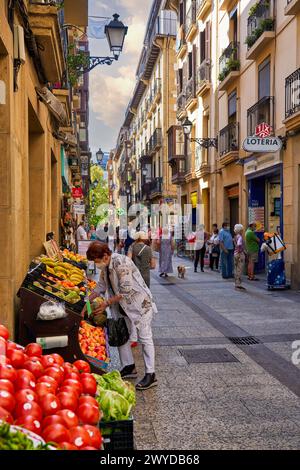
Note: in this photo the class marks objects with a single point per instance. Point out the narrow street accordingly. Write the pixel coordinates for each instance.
(250, 402)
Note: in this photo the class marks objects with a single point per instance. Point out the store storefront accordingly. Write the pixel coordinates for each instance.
(265, 196)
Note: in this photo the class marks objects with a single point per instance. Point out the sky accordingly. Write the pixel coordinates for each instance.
(111, 86)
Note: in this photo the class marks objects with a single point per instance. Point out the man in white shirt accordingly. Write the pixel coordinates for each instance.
(81, 233)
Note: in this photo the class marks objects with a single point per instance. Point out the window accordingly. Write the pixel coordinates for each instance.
(232, 107)
(233, 26)
(180, 79)
(190, 65)
(181, 13)
(264, 79)
(202, 46)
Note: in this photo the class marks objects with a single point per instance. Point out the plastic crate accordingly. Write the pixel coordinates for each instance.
(75, 264)
(96, 362)
(117, 435)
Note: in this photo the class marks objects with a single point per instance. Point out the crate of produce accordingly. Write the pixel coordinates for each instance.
(91, 337)
(80, 265)
(117, 435)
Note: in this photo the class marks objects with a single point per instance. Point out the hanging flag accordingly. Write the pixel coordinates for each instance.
(96, 29)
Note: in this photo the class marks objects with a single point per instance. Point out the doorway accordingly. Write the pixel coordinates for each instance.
(234, 212)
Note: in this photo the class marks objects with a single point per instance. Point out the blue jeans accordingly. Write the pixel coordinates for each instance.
(227, 264)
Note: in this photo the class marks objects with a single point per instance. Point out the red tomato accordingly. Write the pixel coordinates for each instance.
(44, 388)
(74, 384)
(56, 433)
(56, 373)
(30, 423)
(7, 385)
(88, 448)
(89, 400)
(69, 417)
(6, 416)
(69, 401)
(67, 446)
(50, 404)
(8, 372)
(49, 380)
(69, 366)
(89, 386)
(25, 395)
(52, 419)
(34, 349)
(3, 348)
(47, 361)
(29, 408)
(82, 366)
(4, 359)
(17, 358)
(10, 346)
(69, 389)
(7, 400)
(88, 414)
(4, 333)
(35, 366)
(79, 437)
(95, 435)
(72, 375)
(57, 359)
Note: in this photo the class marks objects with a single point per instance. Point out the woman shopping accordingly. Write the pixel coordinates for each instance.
(120, 276)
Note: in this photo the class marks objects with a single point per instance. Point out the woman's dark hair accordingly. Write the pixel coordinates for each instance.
(49, 236)
(97, 250)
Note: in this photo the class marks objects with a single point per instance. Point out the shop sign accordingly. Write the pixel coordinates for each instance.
(79, 209)
(77, 193)
(256, 144)
(262, 163)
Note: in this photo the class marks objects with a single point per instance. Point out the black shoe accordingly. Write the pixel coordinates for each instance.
(129, 372)
(195, 270)
(148, 381)
(161, 274)
(240, 287)
(202, 270)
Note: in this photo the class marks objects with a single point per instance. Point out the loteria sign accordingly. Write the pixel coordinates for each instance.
(262, 141)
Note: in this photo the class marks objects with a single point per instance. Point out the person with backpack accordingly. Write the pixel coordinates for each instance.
(142, 256)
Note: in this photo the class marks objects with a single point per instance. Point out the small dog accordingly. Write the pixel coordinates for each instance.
(181, 271)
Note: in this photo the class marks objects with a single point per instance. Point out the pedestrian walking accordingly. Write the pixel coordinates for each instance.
(81, 233)
(92, 233)
(200, 249)
(142, 256)
(166, 250)
(214, 248)
(239, 256)
(252, 249)
(226, 246)
(119, 276)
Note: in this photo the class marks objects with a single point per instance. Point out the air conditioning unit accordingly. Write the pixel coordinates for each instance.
(53, 104)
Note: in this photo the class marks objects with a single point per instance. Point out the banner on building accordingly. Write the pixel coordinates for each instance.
(79, 209)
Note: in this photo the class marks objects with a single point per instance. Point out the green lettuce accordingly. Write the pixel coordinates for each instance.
(115, 382)
(113, 405)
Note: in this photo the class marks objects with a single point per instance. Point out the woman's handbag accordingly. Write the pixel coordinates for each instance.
(118, 333)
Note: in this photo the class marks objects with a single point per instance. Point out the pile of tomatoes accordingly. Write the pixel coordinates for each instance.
(50, 397)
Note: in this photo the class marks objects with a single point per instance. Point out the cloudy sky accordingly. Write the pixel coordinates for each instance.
(111, 86)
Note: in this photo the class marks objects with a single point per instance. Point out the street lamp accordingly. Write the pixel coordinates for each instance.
(99, 156)
(115, 33)
(203, 142)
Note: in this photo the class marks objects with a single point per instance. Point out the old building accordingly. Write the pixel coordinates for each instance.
(35, 108)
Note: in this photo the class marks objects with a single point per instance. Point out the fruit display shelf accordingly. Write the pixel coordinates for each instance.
(30, 328)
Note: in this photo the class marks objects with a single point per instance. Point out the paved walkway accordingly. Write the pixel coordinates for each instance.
(251, 403)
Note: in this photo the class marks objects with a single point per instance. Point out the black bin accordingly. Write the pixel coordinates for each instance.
(117, 435)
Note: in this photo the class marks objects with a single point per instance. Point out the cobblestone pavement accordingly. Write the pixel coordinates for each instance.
(251, 403)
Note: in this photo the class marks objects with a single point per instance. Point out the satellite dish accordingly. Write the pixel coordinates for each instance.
(53, 104)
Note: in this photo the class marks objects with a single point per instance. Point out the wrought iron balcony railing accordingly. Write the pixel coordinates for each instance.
(292, 94)
(203, 73)
(262, 111)
(181, 101)
(229, 139)
(261, 19)
(190, 17)
(154, 142)
(156, 185)
(190, 89)
(229, 60)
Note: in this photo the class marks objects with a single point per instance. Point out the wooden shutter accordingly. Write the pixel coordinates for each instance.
(207, 41)
(194, 68)
(202, 46)
(184, 72)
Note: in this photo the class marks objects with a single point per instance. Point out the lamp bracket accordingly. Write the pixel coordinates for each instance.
(206, 142)
(94, 62)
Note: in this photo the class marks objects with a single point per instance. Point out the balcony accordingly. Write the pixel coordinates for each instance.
(202, 7)
(262, 111)
(176, 154)
(145, 191)
(203, 78)
(202, 167)
(292, 7)
(64, 97)
(181, 44)
(229, 66)
(191, 22)
(155, 142)
(292, 101)
(45, 25)
(229, 143)
(155, 95)
(178, 172)
(260, 29)
(156, 187)
(190, 94)
(181, 102)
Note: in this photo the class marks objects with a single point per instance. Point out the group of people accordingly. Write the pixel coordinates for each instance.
(231, 252)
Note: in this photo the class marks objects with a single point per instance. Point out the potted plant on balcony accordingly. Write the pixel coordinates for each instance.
(266, 24)
(232, 65)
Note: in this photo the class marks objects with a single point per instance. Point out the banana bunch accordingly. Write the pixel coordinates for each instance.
(63, 270)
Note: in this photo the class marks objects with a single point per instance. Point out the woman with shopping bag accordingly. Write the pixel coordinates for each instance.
(120, 276)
